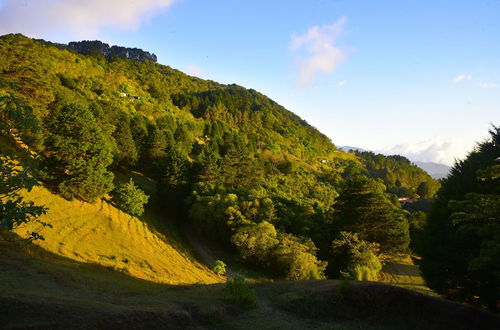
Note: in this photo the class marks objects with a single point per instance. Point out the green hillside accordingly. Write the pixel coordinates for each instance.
(101, 128)
(399, 175)
(229, 162)
(196, 138)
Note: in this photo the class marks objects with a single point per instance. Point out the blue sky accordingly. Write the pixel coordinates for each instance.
(420, 78)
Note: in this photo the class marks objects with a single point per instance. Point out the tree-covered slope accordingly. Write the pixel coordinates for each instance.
(400, 176)
(235, 165)
(98, 115)
(190, 108)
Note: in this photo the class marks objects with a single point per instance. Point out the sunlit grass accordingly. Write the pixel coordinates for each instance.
(404, 273)
(101, 234)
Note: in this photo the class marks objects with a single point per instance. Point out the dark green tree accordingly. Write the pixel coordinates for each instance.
(126, 152)
(78, 154)
(156, 144)
(462, 238)
(174, 178)
(424, 190)
(364, 208)
(139, 129)
(417, 221)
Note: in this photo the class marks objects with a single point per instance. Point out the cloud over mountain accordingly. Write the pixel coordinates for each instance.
(435, 150)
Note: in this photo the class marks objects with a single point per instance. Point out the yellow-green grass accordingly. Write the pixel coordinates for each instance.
(41, 290)
(101, 234)
(404, 273)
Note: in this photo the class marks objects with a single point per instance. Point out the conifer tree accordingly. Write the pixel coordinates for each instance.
(363, 208)
(126, 153)
(462, 239)
(78, 154)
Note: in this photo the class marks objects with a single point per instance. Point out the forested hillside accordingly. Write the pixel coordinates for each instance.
(235, 165)
(399, 175)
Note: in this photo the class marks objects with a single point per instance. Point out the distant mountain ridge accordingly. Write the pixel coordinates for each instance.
(436, 170)
(349, 148)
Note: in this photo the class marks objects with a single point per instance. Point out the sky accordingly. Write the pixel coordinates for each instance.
(417, 78)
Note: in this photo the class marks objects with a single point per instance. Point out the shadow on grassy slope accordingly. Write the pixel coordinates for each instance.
(42, 290)
(100, 233)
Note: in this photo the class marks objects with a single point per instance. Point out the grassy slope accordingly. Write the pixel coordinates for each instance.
(41, 290)
(101, 234)
(404, 273)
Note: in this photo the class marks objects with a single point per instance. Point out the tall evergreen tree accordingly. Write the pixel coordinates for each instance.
(363, 208)
(462, 239)
(174, 179)
(156, 144)
(78, 154)
(126, 153)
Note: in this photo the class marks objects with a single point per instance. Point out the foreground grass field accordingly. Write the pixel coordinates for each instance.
(39, 289)
(101, 234)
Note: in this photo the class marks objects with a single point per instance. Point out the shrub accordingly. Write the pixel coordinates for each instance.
(365, 267)
(239, 292)
(296, 259)
(131, 198)
(354, 258)
(302, 266)
(219, 268)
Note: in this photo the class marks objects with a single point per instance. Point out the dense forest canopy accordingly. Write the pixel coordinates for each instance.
(240, 168)
(399, 175)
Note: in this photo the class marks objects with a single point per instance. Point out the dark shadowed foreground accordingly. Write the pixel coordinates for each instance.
(48, 291)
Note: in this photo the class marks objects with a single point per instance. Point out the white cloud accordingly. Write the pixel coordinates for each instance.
(319, 50)
(435, 150)
(77, 18)
(195, 70)
(486, 85)
(461, 77)
(341, 83)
